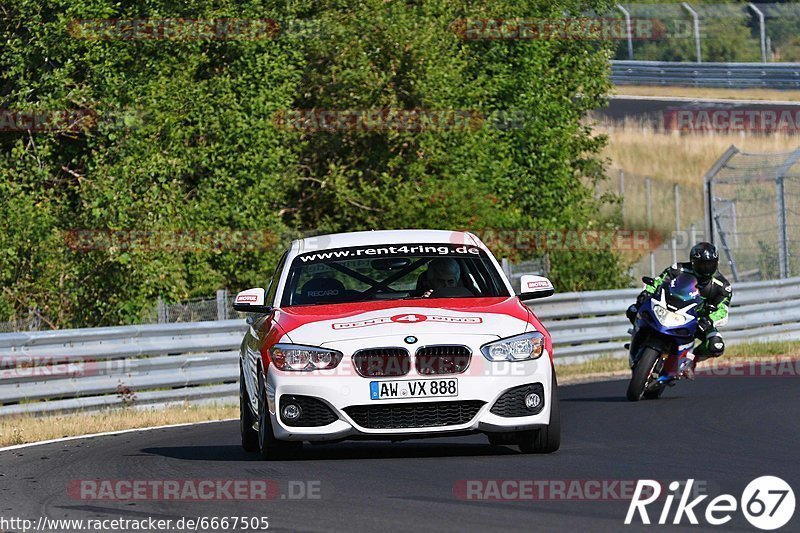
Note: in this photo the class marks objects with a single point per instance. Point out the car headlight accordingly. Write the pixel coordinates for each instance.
(299, 358)
(669, 318)
(517, 348)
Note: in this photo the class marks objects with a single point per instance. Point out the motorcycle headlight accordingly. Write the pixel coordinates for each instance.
(517, 348)
(669, 318)
(299, 358)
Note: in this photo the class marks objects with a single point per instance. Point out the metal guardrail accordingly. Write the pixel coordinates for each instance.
(738, 75)
(152, 365)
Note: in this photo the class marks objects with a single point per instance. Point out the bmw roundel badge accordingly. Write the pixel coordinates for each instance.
(410, 339)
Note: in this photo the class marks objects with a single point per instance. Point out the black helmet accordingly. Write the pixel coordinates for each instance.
(704, 258)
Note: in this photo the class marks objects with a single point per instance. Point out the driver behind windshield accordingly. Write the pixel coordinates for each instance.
(443, 272)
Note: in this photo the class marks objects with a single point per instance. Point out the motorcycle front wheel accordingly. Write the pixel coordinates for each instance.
(645, 364)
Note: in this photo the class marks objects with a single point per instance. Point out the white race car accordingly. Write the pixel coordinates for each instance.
(394, 335)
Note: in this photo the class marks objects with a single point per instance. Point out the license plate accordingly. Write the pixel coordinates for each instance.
(422, 388)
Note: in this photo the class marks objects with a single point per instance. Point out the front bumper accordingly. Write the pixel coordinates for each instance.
(484, 382)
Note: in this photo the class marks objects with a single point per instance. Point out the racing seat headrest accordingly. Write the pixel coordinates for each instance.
(320, 290)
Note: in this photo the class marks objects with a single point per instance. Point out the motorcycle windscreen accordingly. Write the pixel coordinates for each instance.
(682, 291)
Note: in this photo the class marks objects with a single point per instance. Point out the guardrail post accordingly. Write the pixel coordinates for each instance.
(162, 311)
(696, 29)
(629, 29)
(761, 31)
(222, 304)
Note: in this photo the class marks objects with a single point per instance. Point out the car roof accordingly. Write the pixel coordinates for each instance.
(384, 237)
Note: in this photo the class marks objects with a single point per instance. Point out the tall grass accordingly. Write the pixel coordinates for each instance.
(639, 147)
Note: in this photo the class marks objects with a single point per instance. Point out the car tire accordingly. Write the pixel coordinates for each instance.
(641, 373)
(546, 439)
(246, 418)
(269, 447)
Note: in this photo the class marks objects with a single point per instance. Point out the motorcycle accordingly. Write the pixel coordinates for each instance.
(663, 337)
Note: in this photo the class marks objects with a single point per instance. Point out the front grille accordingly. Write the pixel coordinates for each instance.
(378, 362)
(512, 402)
(444, 359)
(414, 415)
(313, 412)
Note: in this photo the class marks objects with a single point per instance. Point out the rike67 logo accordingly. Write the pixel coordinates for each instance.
(767, 503)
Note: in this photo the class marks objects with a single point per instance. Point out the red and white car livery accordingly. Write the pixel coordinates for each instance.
(394, 335)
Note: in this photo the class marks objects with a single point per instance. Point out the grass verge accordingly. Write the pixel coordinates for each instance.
(26, 428)
(709, 92)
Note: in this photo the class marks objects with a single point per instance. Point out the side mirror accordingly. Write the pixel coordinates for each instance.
(251, 301)
(532, 287)
(647, 280)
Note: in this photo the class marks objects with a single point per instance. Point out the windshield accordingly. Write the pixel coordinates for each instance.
(682, 291)
(390, 272)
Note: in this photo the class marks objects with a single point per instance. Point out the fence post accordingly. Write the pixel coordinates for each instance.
(783, 240)
(506, 267)
(222, 304)
(709, 192)
(724, 241)
(162, 311)
(762, 31)
(674, 251)
(696, 29)
(783, 234)
(629, 30)
(650, 222)
(677, 208)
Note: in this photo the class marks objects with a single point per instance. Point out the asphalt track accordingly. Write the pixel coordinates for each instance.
(723, 431)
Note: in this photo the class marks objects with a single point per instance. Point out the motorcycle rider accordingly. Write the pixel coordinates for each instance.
(715, 291)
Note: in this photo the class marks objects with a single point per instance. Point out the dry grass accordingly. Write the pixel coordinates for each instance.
(676, 157)
(702, 92)
(26, 428)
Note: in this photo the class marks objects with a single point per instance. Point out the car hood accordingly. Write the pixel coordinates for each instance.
(324, 324)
